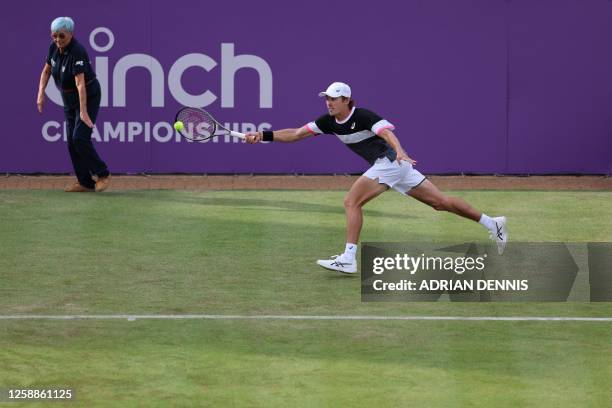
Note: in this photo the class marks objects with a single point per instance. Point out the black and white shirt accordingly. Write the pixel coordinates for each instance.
(359, 132)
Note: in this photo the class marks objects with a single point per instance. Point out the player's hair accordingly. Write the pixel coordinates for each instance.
(65, 23)
(351, 102)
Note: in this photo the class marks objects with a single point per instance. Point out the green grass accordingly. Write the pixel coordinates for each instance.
(253, 252)
(268, 363)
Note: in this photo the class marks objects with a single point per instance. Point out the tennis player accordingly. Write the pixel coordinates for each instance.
(372, 137)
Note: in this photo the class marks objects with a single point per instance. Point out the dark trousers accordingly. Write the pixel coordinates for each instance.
(85, 159)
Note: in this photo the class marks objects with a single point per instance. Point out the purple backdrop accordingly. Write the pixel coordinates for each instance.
(472, 86)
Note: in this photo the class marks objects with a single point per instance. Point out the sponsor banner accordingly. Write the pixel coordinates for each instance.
(459, 80)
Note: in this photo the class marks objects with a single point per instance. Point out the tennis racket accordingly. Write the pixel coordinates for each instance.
(199, 125)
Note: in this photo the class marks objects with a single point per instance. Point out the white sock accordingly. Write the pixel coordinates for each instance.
(350, 250)
(487, 222)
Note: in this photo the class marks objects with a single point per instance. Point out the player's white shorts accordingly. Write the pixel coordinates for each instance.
(401, 178)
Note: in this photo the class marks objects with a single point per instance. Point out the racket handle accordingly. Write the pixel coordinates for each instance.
(237, 134)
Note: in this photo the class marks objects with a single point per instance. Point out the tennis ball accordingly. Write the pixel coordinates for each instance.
(178, 125)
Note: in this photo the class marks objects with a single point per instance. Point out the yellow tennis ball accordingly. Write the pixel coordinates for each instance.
(178, 125)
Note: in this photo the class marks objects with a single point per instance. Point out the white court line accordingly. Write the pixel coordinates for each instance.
(298, 317)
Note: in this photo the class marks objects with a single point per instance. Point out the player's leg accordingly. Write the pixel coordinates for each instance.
(362, 191)
(428, 193)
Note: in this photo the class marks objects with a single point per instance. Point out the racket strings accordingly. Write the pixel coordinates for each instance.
(198, 125)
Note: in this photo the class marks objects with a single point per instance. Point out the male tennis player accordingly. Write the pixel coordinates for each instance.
(371, 137)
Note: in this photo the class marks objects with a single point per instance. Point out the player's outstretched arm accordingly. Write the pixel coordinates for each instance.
(283, 135)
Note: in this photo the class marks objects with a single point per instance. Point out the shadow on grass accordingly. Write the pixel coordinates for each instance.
(254, 204)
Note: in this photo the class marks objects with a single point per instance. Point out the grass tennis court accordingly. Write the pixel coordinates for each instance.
(254, 252)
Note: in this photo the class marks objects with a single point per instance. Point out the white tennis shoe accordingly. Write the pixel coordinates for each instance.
(500, 234)
(339, 263)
